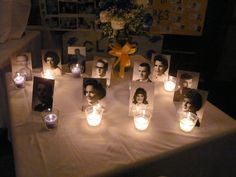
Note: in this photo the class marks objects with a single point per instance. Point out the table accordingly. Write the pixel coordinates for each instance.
(115, 148)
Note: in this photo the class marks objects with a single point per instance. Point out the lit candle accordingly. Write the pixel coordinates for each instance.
(188, 122)
(50, 121)
(141, 122)
(48, 74)
(19, 80)
(75, 70)
(169, 84)
(94, 115)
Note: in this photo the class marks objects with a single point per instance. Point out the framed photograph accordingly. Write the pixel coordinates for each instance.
(141, 96)
(160, 67)
(102, 68)
(22, 63)
(94, 92)
(42, 98)
(77, 54)
(186, 79)
(51, 60)
(193, 101)
(142, 71)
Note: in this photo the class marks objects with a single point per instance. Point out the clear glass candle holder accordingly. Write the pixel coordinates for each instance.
(188, 121)
(169, 84)
(142, 117)
(50, 118)
(94, 115)
(19, 80)
(75, 70)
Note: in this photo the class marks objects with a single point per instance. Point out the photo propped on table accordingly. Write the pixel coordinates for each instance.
(43, 90)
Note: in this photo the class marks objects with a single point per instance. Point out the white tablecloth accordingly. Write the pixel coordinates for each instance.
(76, 150)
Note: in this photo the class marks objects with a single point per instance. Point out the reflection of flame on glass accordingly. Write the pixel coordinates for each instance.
(48, 74)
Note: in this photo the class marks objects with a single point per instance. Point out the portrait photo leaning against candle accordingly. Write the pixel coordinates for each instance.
(52, 62)
(94, 91)
(192, 101)
(42, 94)
(144, 72)
(160, 68)
(23, 62)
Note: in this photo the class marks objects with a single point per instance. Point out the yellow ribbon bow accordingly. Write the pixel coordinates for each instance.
(123, 55)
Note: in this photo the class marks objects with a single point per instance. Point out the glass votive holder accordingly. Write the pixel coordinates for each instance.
(94, 115)
(142, 117)
(188, 121)
(75, 70)
(169, 84)
(50, 118)
(19, 80)
(48, 74)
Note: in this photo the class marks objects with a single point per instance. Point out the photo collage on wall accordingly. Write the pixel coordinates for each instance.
(184, 17)
(68, 15)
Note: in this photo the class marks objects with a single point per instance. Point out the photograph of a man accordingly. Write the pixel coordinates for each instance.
(42, 94)
(185, 79)
(101, 68)
(22, 64)
(142, 72)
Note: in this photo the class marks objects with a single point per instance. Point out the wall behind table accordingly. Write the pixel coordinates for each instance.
(96, 46)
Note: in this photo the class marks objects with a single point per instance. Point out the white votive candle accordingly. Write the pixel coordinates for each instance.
(141, 122)
(188, 122)
(169, 84)
(48, 74)
(19, 80)
(50, 121)
(75, 70)
(94, 119)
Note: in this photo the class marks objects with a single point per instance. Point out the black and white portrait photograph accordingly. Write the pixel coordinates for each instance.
(94, 92)
(186, 79)
(22, 64)
(42, 98)
(141, 96)
(77, 54)
(160, 67)
(51, 60)
(102, 68)
(142, 71)
(193, 101)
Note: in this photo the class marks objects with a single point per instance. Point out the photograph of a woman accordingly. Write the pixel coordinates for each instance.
(94, 91)
(52, 61)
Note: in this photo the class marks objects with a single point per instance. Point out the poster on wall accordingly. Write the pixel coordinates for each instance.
(181, 17)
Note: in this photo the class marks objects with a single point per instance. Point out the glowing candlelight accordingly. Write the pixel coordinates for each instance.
(76, 70)
(141, 118)
(188, 122)
(48, 74)
(19, 80)
(50, 121)
(94, 115)
(169, 84)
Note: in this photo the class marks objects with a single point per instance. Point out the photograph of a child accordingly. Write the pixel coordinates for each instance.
(102, 68)
(142, 71)
(22, 64)
(186, 79)
(94, 92)
(193, 101)
(42, 94)
(160, 65)
(51, 60)
(141, 96)
(77, 54)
